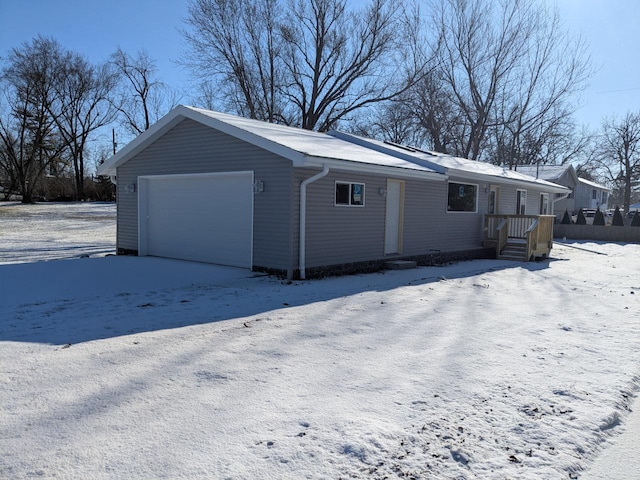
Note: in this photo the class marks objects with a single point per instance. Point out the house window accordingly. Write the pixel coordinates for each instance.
(462, 197)
(594, 194)
(604, 197)
(521, 202)
(544, 204)
(351, 194)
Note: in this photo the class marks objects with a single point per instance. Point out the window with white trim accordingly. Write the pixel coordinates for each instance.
(544, 204)
(350, 194)
(521, 202)
(462, 197)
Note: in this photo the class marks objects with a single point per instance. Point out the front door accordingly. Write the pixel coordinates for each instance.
(393, 219)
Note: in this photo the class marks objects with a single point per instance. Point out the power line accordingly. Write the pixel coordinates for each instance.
(621, 90)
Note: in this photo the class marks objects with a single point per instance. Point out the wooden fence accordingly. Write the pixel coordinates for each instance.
(599, 233)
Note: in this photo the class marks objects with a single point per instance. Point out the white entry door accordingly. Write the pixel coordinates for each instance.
(201, 217)
(394, 217)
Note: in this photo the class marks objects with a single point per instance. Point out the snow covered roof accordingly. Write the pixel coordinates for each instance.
(555, 172)
(302, 147)
(307, 148)
(450, 165)
(593, 184)
(547, 172)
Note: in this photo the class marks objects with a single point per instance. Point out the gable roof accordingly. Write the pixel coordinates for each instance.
(455, 166)
(550, 173)
(555, 172)
(304, 148)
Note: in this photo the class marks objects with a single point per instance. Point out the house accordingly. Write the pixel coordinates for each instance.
(585, 194)
(591, 195)
(206, 186)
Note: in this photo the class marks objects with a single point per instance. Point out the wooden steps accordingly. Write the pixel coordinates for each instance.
(515, 249)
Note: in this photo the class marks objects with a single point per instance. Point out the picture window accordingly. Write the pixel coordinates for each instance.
(462, 197)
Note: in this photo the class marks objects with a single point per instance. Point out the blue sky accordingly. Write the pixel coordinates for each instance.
(97, 28)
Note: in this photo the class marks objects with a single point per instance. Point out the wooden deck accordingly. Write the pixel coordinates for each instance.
(519, 237)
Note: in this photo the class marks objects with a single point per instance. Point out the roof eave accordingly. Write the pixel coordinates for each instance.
(139, 143)
(177, 115)
(481, 177)
(313, 161)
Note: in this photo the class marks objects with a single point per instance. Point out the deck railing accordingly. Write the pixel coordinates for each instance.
(536, 230)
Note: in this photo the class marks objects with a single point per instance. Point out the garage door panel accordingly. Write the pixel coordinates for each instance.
(206, 218)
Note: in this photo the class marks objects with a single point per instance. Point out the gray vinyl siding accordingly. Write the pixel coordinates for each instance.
(342, 234)
(508, 199)
(567, 204)
(584, 198)
(194, 148)
(429, 228)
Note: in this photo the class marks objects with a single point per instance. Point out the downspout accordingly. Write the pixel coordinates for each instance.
(303, 218)
(553, 203)
(560, 198)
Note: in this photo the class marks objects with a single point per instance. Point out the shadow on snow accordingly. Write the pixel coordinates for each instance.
(74, 301)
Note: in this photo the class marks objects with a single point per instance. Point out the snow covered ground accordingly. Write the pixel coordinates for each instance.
(30, 233)
(123, 367)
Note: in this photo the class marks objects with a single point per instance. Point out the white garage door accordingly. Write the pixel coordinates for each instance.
(204, 217)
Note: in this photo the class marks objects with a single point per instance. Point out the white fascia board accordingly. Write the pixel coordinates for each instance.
(177, 115)
(547, 186)
(139, 143)
(373, 168)
(591, 184)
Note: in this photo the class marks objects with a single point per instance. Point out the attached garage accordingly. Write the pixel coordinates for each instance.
(200, 217)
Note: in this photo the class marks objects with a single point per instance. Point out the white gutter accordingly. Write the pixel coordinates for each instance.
(364, 167)
(559, 198)
(303, 219)
(553, 202)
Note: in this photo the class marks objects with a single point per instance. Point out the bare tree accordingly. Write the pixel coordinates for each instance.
(620, 153)
(340, 61)
(141, 98)
(534, 108)
(435, 111)
(391, 122)
(309, 63)
(29, 143)
(82, 104)
(235, 53)
(505, 75)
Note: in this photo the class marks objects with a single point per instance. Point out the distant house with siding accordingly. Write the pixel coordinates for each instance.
(206, 186)
(585, 194)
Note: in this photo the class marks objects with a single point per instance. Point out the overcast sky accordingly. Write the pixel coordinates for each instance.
(96, 27)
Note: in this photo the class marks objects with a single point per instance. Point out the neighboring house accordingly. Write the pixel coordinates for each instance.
(592, 195)
(206, 186)
(585, 194)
